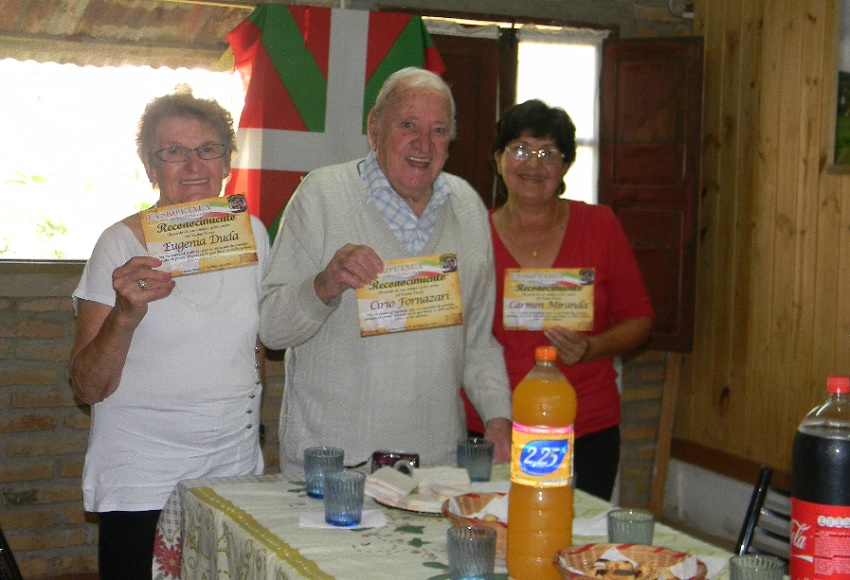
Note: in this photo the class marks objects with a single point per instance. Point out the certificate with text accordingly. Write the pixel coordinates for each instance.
(199, 236)
(411, 294)
(542, 298)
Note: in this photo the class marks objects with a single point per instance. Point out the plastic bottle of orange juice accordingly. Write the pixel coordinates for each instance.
(540, 501)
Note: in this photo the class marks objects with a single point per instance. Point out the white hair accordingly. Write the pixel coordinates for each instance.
(415, 78)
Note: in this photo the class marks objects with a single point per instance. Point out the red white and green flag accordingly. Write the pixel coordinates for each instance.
(311, 76)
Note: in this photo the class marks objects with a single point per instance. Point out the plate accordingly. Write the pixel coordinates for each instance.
(577, 563)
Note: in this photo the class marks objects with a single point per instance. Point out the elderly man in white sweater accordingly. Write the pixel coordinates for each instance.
(395, 390)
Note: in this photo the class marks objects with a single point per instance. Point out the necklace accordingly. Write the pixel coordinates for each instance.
(544, 233)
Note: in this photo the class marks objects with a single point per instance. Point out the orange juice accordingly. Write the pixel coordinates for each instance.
(540, 501)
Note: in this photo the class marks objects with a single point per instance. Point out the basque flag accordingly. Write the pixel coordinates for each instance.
(311, 76)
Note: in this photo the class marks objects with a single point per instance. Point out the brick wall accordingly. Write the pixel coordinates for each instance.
(43, 429)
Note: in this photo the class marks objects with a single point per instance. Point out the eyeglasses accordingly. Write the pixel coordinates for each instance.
(178, 153)
(549, 156)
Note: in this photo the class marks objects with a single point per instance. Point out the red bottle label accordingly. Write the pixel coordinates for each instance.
(820, 541)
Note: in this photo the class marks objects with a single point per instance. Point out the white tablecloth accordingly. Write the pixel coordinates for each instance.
(248, 528)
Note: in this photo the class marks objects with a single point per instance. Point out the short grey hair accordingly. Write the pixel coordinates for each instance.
(415, 78)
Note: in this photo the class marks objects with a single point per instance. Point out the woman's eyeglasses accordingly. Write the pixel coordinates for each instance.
(548, 156)
(178, 154)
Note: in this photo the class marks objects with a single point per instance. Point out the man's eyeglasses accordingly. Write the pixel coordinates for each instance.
(548, 156)
(178, 153)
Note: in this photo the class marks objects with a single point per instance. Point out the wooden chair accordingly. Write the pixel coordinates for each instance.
(8, 567)
(767, 524)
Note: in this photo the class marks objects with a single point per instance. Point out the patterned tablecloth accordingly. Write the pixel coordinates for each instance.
(248, 528)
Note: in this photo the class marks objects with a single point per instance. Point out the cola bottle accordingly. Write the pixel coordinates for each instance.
(820, 489)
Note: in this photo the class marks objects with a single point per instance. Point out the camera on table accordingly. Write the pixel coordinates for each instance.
(398, 460)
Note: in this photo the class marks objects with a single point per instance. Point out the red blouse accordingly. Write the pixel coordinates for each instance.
(595, 239)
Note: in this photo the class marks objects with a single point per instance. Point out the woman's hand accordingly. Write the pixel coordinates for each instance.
(572, 346)
(136, 284)
(624, 336)
(104, 333)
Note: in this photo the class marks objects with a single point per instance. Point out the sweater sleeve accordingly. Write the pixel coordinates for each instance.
(485, 378)
(290, 311)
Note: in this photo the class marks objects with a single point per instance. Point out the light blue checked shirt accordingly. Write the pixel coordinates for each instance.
(411, 231)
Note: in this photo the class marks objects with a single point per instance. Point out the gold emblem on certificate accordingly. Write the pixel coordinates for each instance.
(411, 294)
(198, 236)
(538, 299)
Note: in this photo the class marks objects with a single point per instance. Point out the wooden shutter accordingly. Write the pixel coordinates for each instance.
(651, 106)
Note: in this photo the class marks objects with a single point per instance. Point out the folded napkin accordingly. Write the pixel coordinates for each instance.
(369, 519)
(424, 490)
(441, 476)
(386, 481)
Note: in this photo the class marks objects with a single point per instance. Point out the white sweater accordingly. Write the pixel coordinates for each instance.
(396, 391)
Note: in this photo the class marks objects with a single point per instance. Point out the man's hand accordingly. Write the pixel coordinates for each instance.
(353, 266)
(498, 431)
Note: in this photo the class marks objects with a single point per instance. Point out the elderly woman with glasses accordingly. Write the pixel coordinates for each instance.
(538, 229)
(170, 366)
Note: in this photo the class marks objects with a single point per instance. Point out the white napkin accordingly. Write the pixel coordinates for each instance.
(498, 507)
(369, 519)
(595, 526)
(714, 564)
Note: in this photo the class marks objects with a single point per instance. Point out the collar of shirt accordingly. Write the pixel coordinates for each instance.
(410, 230)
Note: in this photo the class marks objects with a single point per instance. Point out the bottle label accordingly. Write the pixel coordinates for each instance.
(820, 541)
(542, 456)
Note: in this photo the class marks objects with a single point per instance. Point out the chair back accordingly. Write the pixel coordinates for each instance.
(767, 523)
(8, 567)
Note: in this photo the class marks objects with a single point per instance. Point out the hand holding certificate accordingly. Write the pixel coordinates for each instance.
(411, 294)
(198, 236)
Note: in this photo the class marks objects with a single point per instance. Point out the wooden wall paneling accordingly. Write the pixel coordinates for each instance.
(697, 409)
(841, 363)
(761, 336)
(788, 273)
(726, 325)
(774, 232)
(816, 121)
(827, 295)
(750, 39)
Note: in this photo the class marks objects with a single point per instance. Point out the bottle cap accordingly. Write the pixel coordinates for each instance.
(835, 384)
(548, 353)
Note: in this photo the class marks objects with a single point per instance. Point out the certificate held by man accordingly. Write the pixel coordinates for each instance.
(199, 236)
(411, 294)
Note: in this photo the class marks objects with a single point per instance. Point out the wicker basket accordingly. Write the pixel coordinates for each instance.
(571, 561)
(472, 503)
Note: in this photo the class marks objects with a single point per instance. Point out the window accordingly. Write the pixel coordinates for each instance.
(68, 163)
(562, 69)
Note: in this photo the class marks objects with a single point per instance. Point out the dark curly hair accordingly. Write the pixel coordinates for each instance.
(540, 120)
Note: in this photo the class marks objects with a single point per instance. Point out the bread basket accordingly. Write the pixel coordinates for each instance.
(576, 563)
(472, 503)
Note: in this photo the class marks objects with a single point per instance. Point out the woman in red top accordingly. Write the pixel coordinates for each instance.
(536, 228)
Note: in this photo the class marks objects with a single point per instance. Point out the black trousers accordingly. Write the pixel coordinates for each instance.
(596, 459)
(125, 544)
